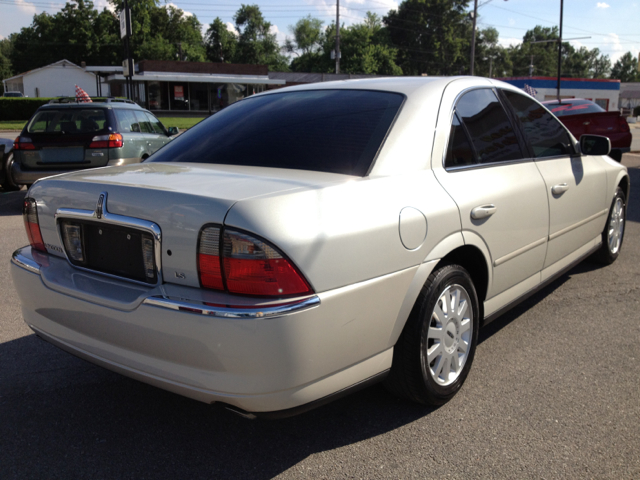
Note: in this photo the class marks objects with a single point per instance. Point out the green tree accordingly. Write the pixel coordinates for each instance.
(220, 43)
(431, 36)
(492, 60)
(256, 43)
(365, 48)
(6, 70)
(626, 68)
(545, 55)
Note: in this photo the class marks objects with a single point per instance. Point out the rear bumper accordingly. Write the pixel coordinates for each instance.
(263, 359)
(27, 177)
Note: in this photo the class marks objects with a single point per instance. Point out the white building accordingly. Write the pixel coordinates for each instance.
(55, 80)
(601, 91)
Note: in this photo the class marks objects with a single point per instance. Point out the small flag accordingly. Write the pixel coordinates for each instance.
(530, 90)
(82, 96)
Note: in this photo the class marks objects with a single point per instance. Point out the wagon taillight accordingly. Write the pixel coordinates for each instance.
(243, 264)
(30, 216)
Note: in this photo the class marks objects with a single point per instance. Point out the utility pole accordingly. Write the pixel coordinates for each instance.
(337, 36)
(560, 52)
(531, 66)
(125, 32)
(473, 38)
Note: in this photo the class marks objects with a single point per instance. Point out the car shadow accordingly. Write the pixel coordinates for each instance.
(60, 414)
(11, 202)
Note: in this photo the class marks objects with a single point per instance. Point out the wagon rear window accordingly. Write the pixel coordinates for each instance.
(336, 131)
(68, 121)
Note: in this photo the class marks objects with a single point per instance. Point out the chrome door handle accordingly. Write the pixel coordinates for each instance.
(559, 189)
(483, 211)
(586, 123)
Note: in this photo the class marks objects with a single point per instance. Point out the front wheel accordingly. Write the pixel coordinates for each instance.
(9, 185)
(613, 232)
(434, 353)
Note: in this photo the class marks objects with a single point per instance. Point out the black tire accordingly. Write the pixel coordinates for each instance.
(9, 184)
(412, 375)
(616, 222)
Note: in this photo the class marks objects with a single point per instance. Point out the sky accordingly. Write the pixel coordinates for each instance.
(612, 26)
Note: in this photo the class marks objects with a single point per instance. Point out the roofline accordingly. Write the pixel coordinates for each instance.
(562, 78)
(40, 68)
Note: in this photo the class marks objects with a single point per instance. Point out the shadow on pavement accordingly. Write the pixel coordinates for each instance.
(11, 202)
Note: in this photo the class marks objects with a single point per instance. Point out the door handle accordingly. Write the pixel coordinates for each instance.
(586, 123)
(483, 211)
(559, 189)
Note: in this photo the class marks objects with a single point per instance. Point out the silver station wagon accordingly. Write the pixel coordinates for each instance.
(310, 241)
(61, 137)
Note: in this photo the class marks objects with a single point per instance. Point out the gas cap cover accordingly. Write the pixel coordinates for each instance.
(413, 228)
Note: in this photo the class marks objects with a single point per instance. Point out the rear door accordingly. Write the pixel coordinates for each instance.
(499, 191)
(575, 184)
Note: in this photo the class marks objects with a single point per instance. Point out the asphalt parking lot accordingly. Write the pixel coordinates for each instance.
(554, 392)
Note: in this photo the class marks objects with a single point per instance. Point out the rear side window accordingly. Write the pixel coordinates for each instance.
(543, 131)
(143, 121)
(127, 121)
(68, 121)
(336, 131)
(489, 127)
(460, 152)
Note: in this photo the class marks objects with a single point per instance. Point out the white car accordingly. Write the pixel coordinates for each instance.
(313, 240)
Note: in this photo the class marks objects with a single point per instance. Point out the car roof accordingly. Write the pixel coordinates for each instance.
(96, 104)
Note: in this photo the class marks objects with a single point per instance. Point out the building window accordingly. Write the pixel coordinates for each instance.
(199, 96)
(603, 102)
(179, 96)
(158, 96)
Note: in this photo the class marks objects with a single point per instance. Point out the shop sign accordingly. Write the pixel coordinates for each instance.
(178, 92)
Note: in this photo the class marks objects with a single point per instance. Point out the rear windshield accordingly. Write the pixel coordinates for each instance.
(335, 131)
(68, 121)
(573, 108)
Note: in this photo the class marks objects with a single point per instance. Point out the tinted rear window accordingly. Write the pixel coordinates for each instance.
(68, 121)
(336, 131)
(573, 108)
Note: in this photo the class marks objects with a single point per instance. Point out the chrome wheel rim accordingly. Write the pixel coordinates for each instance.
(449, 336)
(616, 226)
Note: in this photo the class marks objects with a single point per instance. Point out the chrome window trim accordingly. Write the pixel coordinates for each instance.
(200, 308)
(102, 215)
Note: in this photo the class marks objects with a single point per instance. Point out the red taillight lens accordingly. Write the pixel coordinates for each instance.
(252, 267)
(23, 143)
(624, 125)
(209, 259)
(30, 216)
(243, 264)
(113, 140)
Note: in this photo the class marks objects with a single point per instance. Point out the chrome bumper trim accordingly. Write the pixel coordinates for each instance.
(269, 311)
(25, 262)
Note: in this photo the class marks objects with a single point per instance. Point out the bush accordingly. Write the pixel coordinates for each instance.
(20, 108)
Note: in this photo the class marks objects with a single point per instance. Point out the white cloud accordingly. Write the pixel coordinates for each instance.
(603, 5)
(349, 16)
(280, 36)
(509, 41)
(101, 4)
(231, 27)
(512, 22)
(26, 7)
(184, 12)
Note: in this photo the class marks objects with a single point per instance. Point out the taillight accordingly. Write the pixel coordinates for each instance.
(240, 263)
(113, 140)
(623, 124)
(23, 143)
(209, 259)
(30, 216)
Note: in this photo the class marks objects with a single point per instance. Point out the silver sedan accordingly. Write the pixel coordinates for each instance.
(313, 240)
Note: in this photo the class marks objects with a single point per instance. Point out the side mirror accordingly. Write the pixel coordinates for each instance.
(173, 131)
(595, 145)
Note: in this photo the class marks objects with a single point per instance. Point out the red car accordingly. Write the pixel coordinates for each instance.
(583, 116)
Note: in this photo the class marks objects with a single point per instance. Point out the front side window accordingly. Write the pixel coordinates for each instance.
(543, 131)
(335, 131)
(156, 124)
(489, 127)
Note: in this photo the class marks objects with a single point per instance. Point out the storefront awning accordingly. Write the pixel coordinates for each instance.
(244, 79)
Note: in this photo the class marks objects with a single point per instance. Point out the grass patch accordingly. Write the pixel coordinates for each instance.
(12, 124)
(181, 122)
